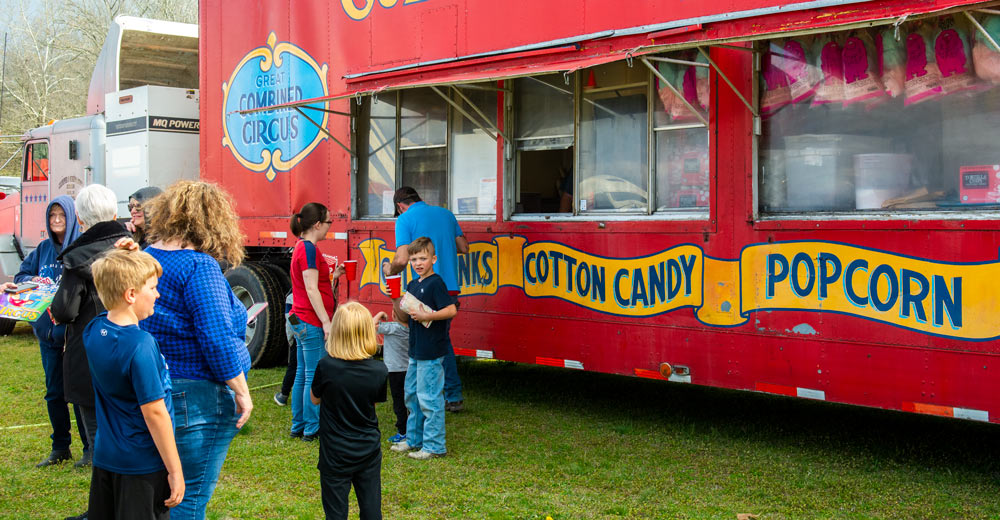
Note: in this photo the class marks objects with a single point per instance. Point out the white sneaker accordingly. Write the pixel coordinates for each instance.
(401, 447)
(424, 455)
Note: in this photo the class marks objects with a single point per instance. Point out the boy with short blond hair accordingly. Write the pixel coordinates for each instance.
(424, 384)
(136, 472)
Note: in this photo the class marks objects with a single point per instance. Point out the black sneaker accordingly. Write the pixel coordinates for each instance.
(310, 438)
(454, 406)
(79, 517)
(85, 461)
(55, 457)
(280, 399)
(295, 435)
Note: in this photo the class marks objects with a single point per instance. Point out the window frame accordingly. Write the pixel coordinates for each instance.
(29, 153)
(702, 214)
(448, 187)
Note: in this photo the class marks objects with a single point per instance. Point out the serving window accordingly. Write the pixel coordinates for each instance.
(884, 119)
(614, 139)
(439, 140)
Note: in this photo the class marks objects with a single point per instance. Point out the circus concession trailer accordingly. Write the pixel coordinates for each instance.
(797, 198)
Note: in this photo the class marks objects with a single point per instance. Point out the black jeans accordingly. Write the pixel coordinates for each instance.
(367, 487)
(396, 382)
(286, 383)
(89, 416)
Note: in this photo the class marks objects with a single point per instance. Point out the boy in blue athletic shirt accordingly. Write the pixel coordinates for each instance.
(136, 472)
(424, 384)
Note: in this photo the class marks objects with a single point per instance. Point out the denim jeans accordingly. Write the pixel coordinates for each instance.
(204, 425)
(452, 383)
(52, 364)
(425, 401)
(310, 349)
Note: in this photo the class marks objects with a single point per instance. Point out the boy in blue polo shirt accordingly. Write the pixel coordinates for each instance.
(424, 384)
(136, 472)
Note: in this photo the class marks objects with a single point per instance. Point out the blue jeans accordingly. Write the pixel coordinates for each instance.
(310, 349)
(52, 364)
(425, 400)
(452, 383)
(204, 425)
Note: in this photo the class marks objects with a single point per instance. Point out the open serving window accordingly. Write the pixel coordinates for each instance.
(625, 137)
(895, 119)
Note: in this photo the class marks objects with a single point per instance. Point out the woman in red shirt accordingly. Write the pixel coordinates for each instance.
(312, 309)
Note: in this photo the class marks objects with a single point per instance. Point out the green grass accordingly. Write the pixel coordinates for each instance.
(537, 441)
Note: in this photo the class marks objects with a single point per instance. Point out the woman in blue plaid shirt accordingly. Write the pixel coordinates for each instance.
(200, 327)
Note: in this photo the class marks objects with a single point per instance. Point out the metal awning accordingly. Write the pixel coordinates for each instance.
(482, 73)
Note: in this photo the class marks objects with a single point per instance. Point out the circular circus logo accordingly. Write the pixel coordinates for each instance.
(274, 140)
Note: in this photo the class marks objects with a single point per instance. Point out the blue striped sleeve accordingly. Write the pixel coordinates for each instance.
(310, 251)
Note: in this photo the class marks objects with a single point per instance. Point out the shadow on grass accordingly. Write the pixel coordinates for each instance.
(629, 405)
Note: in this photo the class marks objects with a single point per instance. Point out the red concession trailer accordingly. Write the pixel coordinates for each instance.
(798, 198)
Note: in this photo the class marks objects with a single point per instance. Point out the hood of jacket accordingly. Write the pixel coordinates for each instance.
(94, 241)
(72, 226)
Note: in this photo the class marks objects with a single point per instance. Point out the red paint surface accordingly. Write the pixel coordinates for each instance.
(850, 359)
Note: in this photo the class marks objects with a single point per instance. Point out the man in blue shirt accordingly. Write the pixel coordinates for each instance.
(415, 219)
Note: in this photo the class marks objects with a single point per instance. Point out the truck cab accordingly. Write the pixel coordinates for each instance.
(141, 129)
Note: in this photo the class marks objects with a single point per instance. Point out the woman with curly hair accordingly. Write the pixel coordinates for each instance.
(200, 326)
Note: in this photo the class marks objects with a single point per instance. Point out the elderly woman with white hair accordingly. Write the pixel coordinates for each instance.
(76, 302)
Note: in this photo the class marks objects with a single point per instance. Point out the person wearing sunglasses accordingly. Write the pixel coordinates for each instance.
(139, 222)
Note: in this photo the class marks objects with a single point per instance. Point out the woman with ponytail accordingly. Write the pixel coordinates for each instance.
(313, 304)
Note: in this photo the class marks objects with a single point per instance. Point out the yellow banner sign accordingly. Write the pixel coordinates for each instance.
(944, 299)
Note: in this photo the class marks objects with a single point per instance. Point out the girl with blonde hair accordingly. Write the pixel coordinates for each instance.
(347, 384)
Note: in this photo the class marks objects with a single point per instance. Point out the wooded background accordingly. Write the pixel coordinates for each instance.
(52, 46)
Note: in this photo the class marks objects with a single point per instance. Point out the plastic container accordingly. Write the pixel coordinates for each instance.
(879, 177)
(819, 169)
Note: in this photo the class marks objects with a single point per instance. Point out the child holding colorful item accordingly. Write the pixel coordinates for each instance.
(136, 470)
(424, 385)
(346, 386)
(394, 354)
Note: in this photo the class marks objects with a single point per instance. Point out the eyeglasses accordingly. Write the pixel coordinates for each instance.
(328, 222)
(134, 206)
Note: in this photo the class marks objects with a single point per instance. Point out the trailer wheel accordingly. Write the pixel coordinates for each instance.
(284, 280)
(6, 326)
(253, 283)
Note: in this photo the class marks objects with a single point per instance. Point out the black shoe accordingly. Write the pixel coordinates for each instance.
(56, 457)
(79, 517)
(85, 461)
(310, 438)
(295, 435)
(456, 406)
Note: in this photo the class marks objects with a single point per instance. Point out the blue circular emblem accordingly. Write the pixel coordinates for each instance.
(274, 140)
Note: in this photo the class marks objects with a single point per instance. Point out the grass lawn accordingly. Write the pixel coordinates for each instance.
(538, 441)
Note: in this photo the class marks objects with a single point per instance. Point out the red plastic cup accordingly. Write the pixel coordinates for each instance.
(351, 269)
(395, 284)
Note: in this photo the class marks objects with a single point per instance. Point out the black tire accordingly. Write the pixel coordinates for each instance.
(6, 326)
(253, 283)
(283, 277)
(285, 285)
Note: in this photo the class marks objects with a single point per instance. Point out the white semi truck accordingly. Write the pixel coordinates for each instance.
(141, 129)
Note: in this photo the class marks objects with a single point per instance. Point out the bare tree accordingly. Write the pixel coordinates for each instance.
(51, 52)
